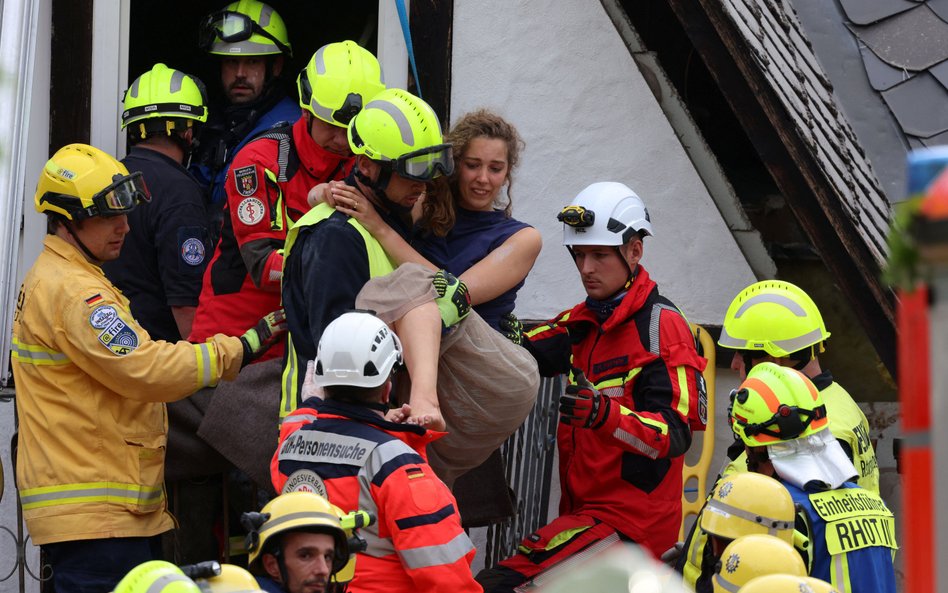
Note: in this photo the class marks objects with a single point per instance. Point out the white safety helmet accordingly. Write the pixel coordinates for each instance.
(605, 213)
(357, 350)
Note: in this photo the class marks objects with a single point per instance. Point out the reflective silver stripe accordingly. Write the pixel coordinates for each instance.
(446, 553)
(319, 61)
(176, 79)
(376, 546)
(653, 327)
(265, 11)
(243, 48)
(304, 418)
(204, 352)
(838, 574)
(138, 494)
(306, 515)
(384, 453)
(769, 522)
(640, 445)
(36, 357)
(133, 90)
(730, 341)
(408, 137)
(800, 342)
(166, 579)
(775, 299)
(913, 439)
(723, 584)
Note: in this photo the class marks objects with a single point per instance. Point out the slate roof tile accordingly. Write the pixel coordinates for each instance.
(914, 40)
(864, 12)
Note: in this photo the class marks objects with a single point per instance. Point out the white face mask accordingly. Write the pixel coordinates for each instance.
(814, 458)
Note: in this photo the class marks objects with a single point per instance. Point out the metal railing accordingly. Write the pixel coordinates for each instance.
(528, 458)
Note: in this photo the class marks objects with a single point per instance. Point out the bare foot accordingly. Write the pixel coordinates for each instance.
(398, 415)
(430, 418)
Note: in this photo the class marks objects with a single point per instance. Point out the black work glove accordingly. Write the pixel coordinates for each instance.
(585, 407)
(511, 328)
(454, 300)
(262, 336)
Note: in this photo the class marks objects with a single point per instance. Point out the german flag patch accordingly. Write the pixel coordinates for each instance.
(414, 473)
(93, 299)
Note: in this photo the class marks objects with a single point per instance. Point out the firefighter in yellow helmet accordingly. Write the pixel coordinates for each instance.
(781, 419)
(778, 322)
(741, 504)
(297, 544)
(92, 383)
(163, 260)
(251, 41)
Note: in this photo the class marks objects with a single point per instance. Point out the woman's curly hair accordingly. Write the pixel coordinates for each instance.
(438, 212)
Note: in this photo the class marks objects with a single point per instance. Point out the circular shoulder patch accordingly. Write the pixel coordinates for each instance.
(192, 252)
(305, 480)
(103, 316)
(250, 211)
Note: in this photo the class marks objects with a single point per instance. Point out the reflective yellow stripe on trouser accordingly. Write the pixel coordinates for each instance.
(379, 265)
(107, 492)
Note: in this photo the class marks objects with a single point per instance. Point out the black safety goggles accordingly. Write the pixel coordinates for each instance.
(121, 197)
(232, 27)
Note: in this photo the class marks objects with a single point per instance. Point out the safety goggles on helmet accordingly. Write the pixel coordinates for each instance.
(232, 27)
(121, 197)
(791, 421)
(425, 164)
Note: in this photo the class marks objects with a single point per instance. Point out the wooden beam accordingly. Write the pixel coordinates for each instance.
(432, 22)
(70, 76)
(793, 167)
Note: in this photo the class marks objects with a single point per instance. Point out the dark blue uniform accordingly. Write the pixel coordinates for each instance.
(165, 253)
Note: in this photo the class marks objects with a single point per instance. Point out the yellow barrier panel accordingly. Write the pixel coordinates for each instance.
(690, 506)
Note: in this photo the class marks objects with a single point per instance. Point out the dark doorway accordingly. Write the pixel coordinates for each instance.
(167, 32)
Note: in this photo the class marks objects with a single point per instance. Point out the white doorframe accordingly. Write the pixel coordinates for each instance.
(110, 26)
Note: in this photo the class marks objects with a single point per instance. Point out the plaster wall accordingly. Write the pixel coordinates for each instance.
(561, 74)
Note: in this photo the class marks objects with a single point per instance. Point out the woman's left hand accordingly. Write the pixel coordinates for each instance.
(350, 200)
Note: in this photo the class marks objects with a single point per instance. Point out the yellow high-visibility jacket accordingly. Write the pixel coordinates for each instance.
(90, 384)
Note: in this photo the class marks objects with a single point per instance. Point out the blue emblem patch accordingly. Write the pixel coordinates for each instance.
(119, 338)
(192, 252)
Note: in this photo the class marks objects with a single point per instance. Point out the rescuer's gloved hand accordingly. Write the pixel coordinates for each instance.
(454, 300)
(511, 328)
(584, 407)
(262, 336)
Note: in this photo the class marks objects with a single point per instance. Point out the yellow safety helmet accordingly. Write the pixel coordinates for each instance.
(290, 512)
(167, 94)
(786, 583)
(156, 576)
(773, 316)
(81, 181)
(402, 132)
(752, 556)
(749, 504)
(245, 28)
(776, 404)
(230, 579)
(338, 81)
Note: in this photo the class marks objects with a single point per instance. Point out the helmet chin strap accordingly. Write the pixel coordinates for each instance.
(82, 246)
(378, 187)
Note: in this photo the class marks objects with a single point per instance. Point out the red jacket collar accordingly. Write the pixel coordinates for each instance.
(316, 159)
(641, 287)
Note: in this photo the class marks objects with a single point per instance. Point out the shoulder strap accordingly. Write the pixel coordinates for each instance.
(647, 320)
(288, 161)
